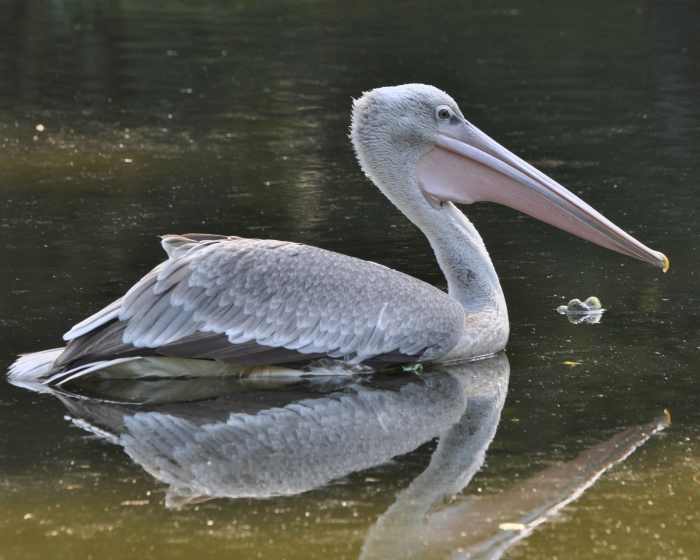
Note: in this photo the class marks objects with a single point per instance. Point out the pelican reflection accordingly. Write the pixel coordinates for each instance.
(258, 443)
(252, 442)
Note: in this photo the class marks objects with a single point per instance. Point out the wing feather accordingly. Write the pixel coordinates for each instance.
(245, 299)
(105, 315)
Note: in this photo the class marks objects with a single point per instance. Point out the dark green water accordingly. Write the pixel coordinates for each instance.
(232, 118)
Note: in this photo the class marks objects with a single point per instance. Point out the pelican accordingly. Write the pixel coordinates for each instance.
(255, 302)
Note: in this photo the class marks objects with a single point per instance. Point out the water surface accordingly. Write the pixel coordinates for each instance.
(119, 122)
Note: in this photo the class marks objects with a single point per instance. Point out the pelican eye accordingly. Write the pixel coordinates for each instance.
(443, 113)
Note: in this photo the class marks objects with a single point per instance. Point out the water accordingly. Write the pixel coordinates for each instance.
(232, 118)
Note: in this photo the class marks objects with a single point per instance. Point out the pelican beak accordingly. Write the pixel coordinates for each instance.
(467, 166)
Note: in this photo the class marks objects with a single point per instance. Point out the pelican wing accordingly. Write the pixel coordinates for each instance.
(263, 301)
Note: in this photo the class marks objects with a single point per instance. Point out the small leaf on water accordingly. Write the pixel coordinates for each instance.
(571, 363)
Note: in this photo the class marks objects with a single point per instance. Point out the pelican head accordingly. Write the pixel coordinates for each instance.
(414, 143)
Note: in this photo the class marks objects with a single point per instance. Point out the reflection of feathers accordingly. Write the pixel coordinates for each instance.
(250, 442)
(295, 448)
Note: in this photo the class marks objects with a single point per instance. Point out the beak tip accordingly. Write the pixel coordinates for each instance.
(666, 263)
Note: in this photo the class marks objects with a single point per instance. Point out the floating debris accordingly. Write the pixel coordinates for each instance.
(512, 527)
(40, 128)
(589, 311)
(135, 503)
(577, 306)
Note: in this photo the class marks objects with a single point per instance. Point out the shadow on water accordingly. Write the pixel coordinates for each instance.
(208, 439)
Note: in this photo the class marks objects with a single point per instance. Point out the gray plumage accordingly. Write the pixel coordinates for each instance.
(262, 301)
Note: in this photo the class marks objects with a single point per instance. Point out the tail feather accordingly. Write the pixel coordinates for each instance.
(34, 366)
(44, 368)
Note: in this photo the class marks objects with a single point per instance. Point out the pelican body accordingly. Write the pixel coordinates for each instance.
(254, 302)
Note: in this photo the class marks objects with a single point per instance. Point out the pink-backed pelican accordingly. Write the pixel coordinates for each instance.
(254, 302)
